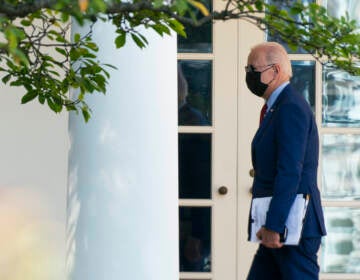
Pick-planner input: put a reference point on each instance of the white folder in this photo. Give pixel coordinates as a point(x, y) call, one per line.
point(294, 223)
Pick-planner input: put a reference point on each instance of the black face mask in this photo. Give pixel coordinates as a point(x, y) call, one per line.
point(254, 84)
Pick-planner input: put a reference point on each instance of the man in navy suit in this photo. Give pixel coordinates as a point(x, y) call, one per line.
point(285, 160)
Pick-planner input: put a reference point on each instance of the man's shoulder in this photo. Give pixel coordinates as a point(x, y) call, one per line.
point(293, 105)
point(291, 96)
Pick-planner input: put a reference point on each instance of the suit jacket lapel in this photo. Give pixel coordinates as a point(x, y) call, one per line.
point(264, 124)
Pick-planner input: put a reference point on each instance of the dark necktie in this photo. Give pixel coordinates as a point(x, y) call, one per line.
point(263, 112)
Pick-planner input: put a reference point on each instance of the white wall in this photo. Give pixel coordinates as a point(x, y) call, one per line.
point(33, 175)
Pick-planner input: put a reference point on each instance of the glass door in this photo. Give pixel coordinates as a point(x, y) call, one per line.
point(207, 99)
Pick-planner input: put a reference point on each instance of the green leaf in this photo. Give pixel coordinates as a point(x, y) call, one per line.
point(25, 22)
point(71, 107)
point(295, 10)
point(120, 40)
point(138, 40)
point(20, 57)
point(6, 78)
point(111, 66)
point(181, 6)
point(11, 38)
point(53, 104)
point(161, 29)
point(98, 5)
point(272, 9)
point(85, 113)
point(65, 17)
point(77, 37)
point(60, 39)
point(29, 96)
point(87, 85)
point(177, 27)
point(143, 38)
point(250, 7)
point(17, 83)
point(259, 5)
point(61, 51)
point(41, 98)
point(75, 54)
point(92, 46)
point(101, 82)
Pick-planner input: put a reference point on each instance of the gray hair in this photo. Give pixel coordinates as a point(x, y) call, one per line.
point(276, 53)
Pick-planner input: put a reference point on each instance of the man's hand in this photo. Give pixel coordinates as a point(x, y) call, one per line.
point(269, 238)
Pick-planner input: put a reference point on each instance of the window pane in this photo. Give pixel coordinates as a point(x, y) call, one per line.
point(341, 166)
point(198, 39)
point(338, 8)
point(285, 5)
point(194, 165)
point(303, 80)
point(194, 92)
point(195, 239)
point(341, 246)
point(341, 98)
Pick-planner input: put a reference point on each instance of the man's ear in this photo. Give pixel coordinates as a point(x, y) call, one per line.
point(276, 69)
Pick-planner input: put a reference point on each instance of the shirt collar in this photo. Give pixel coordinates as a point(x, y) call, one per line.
point(275, 95)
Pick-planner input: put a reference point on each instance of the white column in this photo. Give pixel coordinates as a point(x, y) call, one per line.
point(122, 190)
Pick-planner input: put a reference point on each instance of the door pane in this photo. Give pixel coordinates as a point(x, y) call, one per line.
point(341, 246)
point(303, 80)
point(195, 239)
point(285, 5)
point(341, 98)
point(194, 92)
point(198, 39)
point(194, 165)
point(341, 166)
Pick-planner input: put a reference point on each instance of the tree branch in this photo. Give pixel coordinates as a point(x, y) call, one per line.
point(23, 9)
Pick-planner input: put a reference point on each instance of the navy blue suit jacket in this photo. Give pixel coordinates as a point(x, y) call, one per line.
point(285, 152)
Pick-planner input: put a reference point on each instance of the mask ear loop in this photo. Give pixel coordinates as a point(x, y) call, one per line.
point(275, 71)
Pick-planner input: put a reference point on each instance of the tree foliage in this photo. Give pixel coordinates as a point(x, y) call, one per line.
point(30, 28)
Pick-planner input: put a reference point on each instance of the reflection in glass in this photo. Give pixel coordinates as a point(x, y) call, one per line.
point(341, 98)
point(338, 8)
point(285, 5)
point(194, 165)
point(194, 92)
point(303, 80)
point(341, 246)
point(341, 166)
point(195, 239)
point(198, 39)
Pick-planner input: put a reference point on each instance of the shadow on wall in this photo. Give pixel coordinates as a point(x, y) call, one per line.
point(31, 241)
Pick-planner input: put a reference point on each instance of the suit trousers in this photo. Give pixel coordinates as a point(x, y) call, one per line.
point(287, 263)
